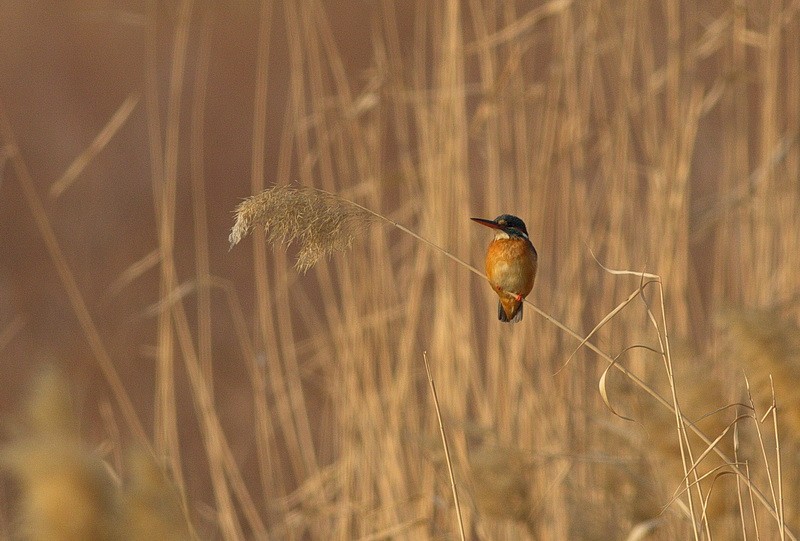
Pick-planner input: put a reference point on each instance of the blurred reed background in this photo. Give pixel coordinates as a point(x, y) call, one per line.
point(656, 136)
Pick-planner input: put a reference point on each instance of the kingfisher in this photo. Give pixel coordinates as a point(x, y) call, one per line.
point(511, 263)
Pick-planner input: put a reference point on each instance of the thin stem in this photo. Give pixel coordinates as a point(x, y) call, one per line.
point(446, 448)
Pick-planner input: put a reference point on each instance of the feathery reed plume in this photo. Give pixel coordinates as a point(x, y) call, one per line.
point(66, 492)
point(323, 223)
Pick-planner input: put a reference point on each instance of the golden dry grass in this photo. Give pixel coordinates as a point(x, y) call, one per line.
point(659, 137)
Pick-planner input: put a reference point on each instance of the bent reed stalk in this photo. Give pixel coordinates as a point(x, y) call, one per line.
point(325, 223)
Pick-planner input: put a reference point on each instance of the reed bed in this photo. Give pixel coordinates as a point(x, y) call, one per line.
point(653, 149)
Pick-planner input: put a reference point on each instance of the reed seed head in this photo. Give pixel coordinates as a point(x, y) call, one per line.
point(321, 222)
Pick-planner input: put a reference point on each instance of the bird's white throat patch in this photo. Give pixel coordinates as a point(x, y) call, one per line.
point(500, 234)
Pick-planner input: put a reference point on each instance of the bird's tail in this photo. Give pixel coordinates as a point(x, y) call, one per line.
point(511, 312)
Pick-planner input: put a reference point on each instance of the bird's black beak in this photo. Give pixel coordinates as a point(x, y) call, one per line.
point(487, 223)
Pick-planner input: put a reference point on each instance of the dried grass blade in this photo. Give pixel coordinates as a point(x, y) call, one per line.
point(84, 158)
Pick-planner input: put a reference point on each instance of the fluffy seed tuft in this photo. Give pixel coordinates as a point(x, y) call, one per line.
point(321, 222)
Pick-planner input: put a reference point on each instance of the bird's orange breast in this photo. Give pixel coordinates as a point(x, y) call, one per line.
point(511, 266)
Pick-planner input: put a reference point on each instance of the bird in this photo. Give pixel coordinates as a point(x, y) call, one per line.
point(511, 264)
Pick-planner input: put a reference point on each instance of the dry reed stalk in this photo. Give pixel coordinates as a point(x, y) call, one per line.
point(165, 196)
point(102, 138)
point(132, 272)
point(766, 346)
point(199, 200)
point(306, 97)
point(265, 432)
point(702, 399)
point(268, 338)
point(445, 447)
point(67, 277)
point(685, 426)
point(265, 208)
point(223, 471)
point(587, 107)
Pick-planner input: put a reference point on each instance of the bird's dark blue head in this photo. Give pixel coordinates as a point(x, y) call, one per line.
point(507, 223)
point(511, 225)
